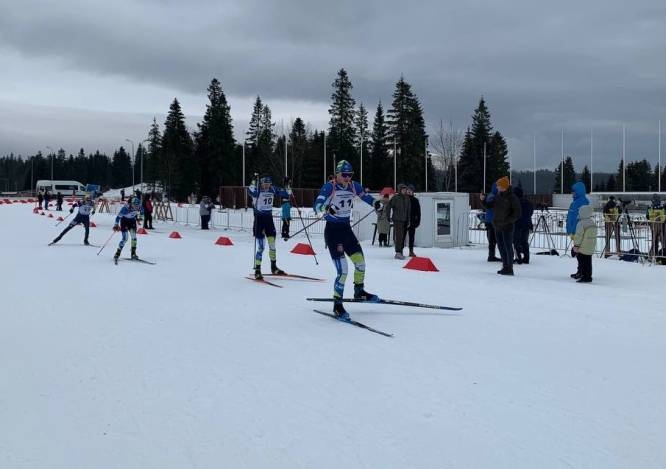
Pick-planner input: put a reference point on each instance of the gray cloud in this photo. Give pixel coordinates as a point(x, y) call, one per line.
point(542, 67)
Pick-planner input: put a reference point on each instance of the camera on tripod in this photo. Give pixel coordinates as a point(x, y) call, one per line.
point(542, 207)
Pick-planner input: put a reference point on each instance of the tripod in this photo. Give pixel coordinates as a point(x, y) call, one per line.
point(628, 224)
point(552, 251)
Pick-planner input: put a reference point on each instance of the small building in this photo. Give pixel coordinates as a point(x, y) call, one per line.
point(444, 220)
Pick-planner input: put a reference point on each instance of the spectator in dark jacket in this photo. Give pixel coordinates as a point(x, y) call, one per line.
point(59, 199)
point(47, 199)
point(487, 201)
point(414, 218)
point(40, 199)
point(507, 213)
point(399, 208)
point(522, 228)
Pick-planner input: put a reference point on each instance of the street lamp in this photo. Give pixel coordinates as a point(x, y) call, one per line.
point(51, 162)
point(132, 142)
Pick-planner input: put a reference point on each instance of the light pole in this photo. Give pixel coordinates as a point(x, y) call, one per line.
point(49, 148)
point(132, 142)
point(142, 155)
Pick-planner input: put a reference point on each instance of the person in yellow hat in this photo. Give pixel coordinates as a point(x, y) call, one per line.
point(507, 211)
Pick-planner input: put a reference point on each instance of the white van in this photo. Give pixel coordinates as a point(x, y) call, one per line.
point(66, 188)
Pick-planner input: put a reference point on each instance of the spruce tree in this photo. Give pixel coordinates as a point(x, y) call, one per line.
point(471, 163)
point(569, 176)
point(380, 161)
point(298, 140)
point(586, 177)
point(361, 131)
point(121, 169)
point(342, 132)
point(611, 185)
point(152, 156)
point(407, 130)
point(215, 144)
point(178, 167)
point(639, 176)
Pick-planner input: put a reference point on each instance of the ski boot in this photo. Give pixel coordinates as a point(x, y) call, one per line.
point(133, 255)
point(361, 294)
point(257, 274)
point(86, 243)
point(275, 270)
point(340, 312)
point(116, 256)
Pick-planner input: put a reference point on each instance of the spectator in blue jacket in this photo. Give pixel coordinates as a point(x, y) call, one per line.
point(286, 218)
point(522, 228)
point(487, 200)
point(579, 199)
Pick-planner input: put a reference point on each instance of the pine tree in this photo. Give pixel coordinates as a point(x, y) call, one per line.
point(178, 168)
point(380, 160)
point(260, 140)
point(313, 162)
point(407, 130)
point(215, 144)
point(341, 132)
point(569, 176)
point(361, 131)
point(621, 185)
point(471, 163)
point(121, 169)
point(586, 177)
point(151, 164)
point(497, 165)
point(298, 139)
point(639, 176)
point(611, 185)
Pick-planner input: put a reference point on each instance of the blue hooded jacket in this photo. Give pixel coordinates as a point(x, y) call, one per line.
point(578, 201)
point(488, 203)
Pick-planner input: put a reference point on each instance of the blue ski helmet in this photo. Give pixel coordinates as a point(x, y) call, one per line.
point(344, 166)
point(135, 201)
point(266, 180)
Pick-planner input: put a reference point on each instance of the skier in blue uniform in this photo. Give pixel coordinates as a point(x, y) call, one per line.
point(335, 200)
point(86, 208)
point(264, 227)
point(126, 221)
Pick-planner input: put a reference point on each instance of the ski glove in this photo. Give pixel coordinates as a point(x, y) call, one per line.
point(71, 210)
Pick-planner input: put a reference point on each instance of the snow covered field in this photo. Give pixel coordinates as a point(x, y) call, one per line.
point(186, 364)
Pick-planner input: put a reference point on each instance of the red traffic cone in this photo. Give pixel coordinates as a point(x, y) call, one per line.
point(175, 235)
point(224, 241)
point(421, 263)
point(304, 249)
point(50, 215)
point(35, 210)
point(92, 224)
point(42, 213)
point(60, 219)
point(141, 231)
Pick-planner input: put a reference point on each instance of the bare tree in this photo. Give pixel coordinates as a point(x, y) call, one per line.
point(447, 145)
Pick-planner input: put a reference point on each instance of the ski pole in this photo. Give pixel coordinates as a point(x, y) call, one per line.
point(62, 220)
point(298, 209)
point(308, 226)
point(363, 218)
point(107, 242)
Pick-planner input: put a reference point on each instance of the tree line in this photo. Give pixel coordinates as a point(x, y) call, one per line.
point(179, 161)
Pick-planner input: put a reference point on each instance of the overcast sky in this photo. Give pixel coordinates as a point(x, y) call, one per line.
point(92, 74)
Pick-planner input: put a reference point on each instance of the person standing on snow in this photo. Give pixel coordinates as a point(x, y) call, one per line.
point(487, 200)
point(579, 200)
point(414, 218)
point(585, 242)
point(126, 222)
point(59, 199)
point(507, 212)
point(206, 208)
point(399, 212)
point(335, 201)
point(286, 218)
point(86, 208)
point(264, 227)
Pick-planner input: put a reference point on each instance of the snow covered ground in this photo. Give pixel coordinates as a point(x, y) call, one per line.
point(186, 364)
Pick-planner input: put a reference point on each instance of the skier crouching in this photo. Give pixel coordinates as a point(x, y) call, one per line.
point(126, 221)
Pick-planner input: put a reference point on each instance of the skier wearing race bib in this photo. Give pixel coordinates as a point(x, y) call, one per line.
point(86, 207)
point(126, 222)
point(264, 227)
point(336, 200)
